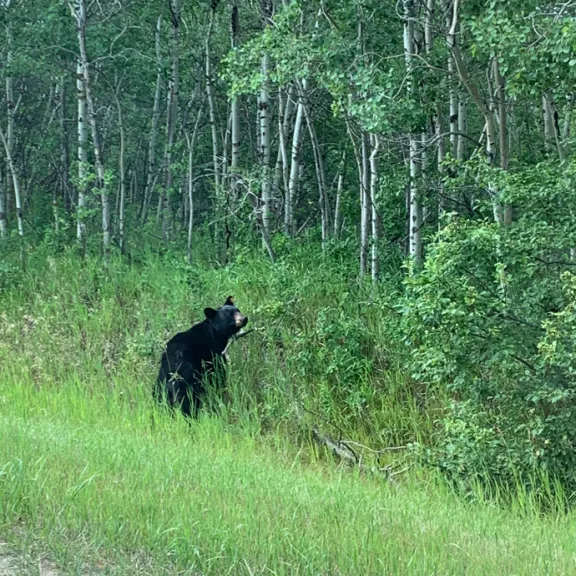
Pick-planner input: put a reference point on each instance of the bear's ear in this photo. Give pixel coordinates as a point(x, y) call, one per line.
point(229, 301)
point(210, 313)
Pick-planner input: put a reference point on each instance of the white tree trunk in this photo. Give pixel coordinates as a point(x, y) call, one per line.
point(171, 113)
point(235, 108)
point(10, 103)
point(3, 223)
point(82, 154)
point(211, 104)
point(264, 113)
point(339, 189)
point(122, 174)
point(462, 128)
point(415, 199)
point(285, 109)
point(364, 204)
point(64, 148)
point(190, 141)
point(375, 142)
point(80, 15)
point(297, 137)
point(151, 162)
point(415, 216)
point(321, 180)
point(15, 182)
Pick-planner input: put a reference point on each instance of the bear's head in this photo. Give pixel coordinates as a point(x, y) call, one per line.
point(227, 320)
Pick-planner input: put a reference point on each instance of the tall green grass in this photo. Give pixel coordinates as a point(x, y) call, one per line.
point(323, 343)
point(95, 473)
point(94, 477)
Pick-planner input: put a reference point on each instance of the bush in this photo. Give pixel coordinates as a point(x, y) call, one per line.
point(492, 318)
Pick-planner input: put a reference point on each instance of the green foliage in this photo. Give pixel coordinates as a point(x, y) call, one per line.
point(488, 319)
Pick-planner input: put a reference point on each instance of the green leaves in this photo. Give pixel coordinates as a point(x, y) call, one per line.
point(492, 318)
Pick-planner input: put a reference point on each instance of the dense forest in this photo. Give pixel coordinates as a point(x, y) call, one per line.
point(386, 187)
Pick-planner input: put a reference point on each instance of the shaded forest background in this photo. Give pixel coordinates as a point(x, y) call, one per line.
point(394, 181)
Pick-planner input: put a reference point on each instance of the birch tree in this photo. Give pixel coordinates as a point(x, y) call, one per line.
point(171, 113)
point(151, 160)
point(80, 15)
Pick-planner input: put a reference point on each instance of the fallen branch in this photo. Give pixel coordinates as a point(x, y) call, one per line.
point(345, 453)
point(237, 337)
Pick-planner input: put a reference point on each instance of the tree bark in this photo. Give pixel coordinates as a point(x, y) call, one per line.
point(321, 180)
point(235, 109)
point(151, 161)
point(65, 188)
point(375, 264)
point(80, 15)
point(191, 140)
point(264, 113)
point(364, 204)
point(297, 138)
point(15, 183)
point(82, 156)
point(211, 103)
point(172, 112)
point(339, 189)
point(122, 173)
point(487, 112)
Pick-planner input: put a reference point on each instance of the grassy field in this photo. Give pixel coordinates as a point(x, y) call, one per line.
point(94, 475)
point(96, 483)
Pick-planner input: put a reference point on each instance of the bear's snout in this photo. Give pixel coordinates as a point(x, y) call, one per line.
point(240, 320)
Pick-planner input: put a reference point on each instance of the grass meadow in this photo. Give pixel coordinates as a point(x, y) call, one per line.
point(97, 477)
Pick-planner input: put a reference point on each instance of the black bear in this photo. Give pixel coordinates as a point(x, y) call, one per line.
point(193, 355)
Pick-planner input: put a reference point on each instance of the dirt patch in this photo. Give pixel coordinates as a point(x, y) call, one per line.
point(12, 565)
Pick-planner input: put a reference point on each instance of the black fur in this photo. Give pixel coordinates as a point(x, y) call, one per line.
point(193, 355)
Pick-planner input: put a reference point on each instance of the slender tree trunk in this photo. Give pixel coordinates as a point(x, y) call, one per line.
point(82, 156)
point(151, 163)
point(321, 180)
point(364, 204)
point(172, 111)
point(3, 223)
point(551, 126)
point(225, 144)
point(415, 215)
point(122, 174)
point(211, 104)
point(487, 112)
point(285, 110)
point(452, 97)
point(235, 109)
point(264, 112)
point(375, 141)
point(190, 141)
point(462, 129)
point(548, 122)
point(65, 193)
point(339, 188)
point(80, 15)
point(503, 129)
point(439, 127)
point(415, 199)
point(15, 183)
point(297, 138)
point(10, 107)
